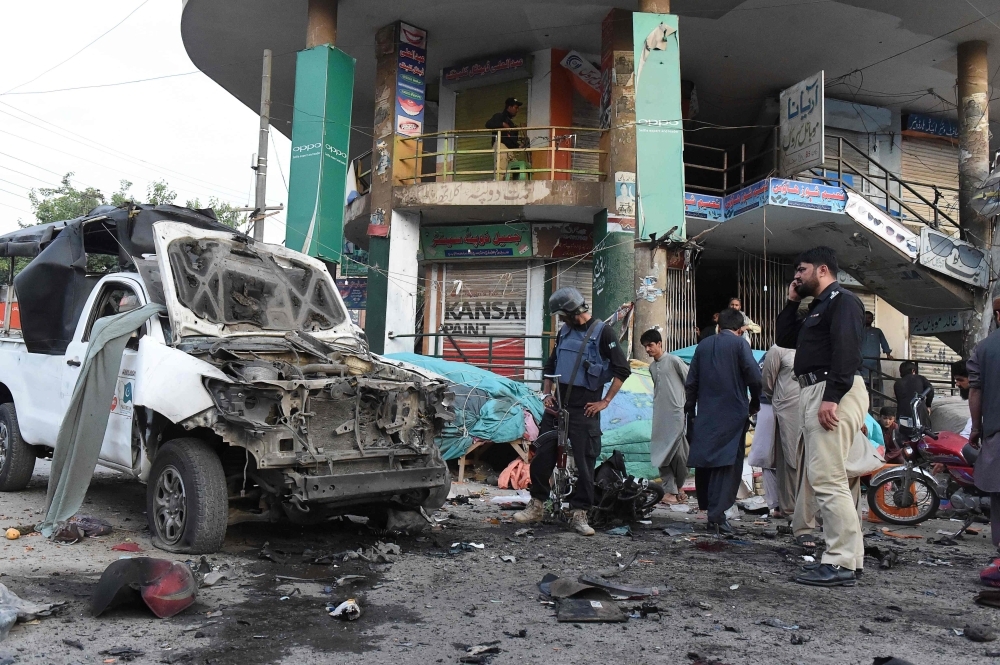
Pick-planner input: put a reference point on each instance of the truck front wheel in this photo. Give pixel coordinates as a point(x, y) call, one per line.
point(186, 499)
point(17, 458)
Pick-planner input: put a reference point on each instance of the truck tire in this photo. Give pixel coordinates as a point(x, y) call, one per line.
point(17, 458)
point(187, 504)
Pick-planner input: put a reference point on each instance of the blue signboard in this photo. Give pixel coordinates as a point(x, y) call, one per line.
point(745, 199)
point(795, 194)
point(354, 291)
point(925, 124)
point(703, 206)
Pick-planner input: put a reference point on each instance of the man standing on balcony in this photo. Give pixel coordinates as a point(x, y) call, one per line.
point(832, 402)
point(509, 141)
point(587, 356)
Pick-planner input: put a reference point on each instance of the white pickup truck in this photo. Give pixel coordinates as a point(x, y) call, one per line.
point(252, 398)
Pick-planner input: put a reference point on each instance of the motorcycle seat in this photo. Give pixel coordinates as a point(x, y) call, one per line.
point(970, 454)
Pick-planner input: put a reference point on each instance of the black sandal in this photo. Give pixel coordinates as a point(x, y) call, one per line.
point(807, 541)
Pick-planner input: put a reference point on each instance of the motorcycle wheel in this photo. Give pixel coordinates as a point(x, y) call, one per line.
point(648, 498)
point(888, 499)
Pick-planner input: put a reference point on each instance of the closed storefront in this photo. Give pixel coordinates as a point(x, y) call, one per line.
point(586, 114)
point(930, 167)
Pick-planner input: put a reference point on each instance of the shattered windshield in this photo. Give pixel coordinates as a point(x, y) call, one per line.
point(247, 288)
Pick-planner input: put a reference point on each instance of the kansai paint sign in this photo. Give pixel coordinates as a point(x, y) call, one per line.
point(659, 131)
point(321, 132)
point(474, 242)
point(411, 80)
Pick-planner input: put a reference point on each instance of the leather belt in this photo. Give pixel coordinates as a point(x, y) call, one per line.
point(812, 378)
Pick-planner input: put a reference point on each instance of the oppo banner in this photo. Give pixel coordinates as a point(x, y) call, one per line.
point(321, 132)
point(659, 130)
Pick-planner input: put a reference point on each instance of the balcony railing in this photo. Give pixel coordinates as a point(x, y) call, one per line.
point(544, 153)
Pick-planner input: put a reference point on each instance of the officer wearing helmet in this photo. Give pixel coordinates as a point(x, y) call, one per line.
point(587, 356)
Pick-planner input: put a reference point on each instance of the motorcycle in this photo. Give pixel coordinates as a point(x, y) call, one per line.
point(910, 493)
point(617, 495)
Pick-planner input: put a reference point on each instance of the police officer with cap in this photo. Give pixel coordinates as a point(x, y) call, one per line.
point(587, 356)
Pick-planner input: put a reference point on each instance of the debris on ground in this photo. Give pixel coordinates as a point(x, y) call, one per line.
point(81, 526)
point(408, 522)
point(910, 536)
point(14, 609)
point(521, 633)
point(216, 576)
point(466, 547)
point(165, 587)
point(523, 532)
point(508, 559)
point(125, 653)
point(979, 633)
point(679, 529)
point(623, 590)
point(13, 534)
point(349, 610)
point(648, 609)
point(799, 638)
point(886, 557)
point(989, 598)
point(755, 505)
point(625, 530)
point(774, 622)
point(275, 555)
point(126, 547)
point(76, 644)
point(517, 500)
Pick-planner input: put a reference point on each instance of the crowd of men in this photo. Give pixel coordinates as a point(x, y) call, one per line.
point(810, 395)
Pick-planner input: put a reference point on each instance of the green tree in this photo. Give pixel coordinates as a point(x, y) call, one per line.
point(225, 212)
point(54, 204)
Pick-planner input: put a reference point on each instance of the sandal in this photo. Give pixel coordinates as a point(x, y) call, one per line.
point(806, 540)
point(669, 500)
point(682, 496)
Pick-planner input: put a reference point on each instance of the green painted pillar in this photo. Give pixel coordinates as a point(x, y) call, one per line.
point(614, 266)
point(378, 292)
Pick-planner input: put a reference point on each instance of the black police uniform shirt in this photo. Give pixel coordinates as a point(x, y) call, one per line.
point(827, 339)
point(509, 139)
point(610, 349)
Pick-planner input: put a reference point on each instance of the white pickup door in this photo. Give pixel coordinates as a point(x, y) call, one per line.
point(112, 294)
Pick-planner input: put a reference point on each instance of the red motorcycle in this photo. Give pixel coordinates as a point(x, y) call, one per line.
point(910, 493)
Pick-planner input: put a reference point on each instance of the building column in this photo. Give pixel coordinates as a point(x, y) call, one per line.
point(654, 6)
point(614, 228)
point(321, 27)
point(974, 159)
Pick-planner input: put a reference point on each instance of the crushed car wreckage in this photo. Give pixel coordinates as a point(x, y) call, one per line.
point(252, 398)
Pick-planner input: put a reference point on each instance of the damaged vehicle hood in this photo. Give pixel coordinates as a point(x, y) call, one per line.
point(217, 284)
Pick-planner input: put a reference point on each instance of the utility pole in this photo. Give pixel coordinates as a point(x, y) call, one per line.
point(260, 191)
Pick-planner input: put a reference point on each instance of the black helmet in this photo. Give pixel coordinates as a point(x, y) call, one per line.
point(567, 301)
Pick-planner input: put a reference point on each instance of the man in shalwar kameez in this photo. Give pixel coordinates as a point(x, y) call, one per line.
point(668, 447)
point(783, 390)
point(723, 372)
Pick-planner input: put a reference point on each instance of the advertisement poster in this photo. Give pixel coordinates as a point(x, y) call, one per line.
point(800, 126)
point(587, 77)
point(321, 132)
point(795, 194)
point(625, 193)
point(703, 206)
point(411, 69)
point(472, 242)
point(354, 291)
point(876, 221)
point(659, 135)
point(562, 241)
point(953, 257)
point(745, 199)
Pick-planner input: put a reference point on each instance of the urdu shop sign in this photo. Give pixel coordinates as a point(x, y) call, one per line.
point(472, 242)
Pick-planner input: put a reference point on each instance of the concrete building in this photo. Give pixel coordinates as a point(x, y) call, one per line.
point(474, 249)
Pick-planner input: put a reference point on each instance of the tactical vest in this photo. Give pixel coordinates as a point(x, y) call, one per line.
point(594, 370)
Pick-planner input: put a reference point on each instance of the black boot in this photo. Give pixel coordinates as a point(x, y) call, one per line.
point(827, 574)
point(858, 572)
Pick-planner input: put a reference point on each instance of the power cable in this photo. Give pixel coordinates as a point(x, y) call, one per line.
point(28, 175)
point(97, 39)
point(114, 152)
point(42, 168)
point(100, 85)
point(281, 170)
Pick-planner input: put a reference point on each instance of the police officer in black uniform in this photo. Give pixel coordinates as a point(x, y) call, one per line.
point(583, 380)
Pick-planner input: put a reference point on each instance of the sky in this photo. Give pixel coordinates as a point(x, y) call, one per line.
point(185, 130)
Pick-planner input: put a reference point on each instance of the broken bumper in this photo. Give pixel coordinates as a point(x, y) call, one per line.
point(356, 486)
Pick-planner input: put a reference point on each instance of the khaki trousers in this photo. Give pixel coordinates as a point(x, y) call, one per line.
point(825, 479)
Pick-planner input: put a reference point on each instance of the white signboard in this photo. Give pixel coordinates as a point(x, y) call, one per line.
point(953, 257)
point(580, 66)
point(940, 322)
point(801, 127)
point(885, 227)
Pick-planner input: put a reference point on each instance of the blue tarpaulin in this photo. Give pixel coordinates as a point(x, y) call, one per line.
point(487, 406)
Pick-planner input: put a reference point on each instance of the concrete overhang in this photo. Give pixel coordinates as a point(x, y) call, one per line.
point(911, 288)
point(737, 53)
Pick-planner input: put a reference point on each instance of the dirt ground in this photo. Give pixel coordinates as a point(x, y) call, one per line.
point(431, 603)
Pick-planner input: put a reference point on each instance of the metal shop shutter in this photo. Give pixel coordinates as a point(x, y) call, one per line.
point(867, 299)
point(586, 114)
point(485, 314)
point(473, 107)
point(928, 162)
point(579, 274)
point(931, 348)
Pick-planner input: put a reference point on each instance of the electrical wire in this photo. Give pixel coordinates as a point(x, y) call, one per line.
point(114, 152)
point(89, 44)
point(100, 85)
point(277, 159)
